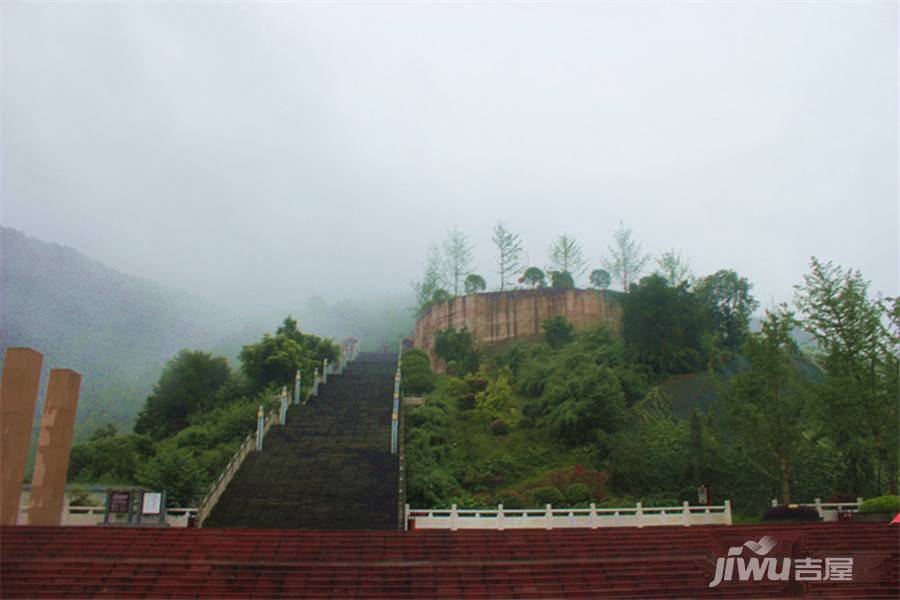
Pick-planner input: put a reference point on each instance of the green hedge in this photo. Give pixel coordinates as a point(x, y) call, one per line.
point(881, 504)
point(417, 376)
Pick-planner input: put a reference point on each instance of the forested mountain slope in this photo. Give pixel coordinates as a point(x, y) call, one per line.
point(116, 330)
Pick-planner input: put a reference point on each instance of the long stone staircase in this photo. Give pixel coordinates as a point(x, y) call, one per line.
point(329, 466)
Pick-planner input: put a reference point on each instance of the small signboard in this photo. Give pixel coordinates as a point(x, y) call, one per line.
point(119, 502)
point(152, 503)
point(702, 495)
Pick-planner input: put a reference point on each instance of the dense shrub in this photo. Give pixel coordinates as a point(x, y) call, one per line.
point(187, 385)
point(509, 499)
point(456, 346)
point(416, 374)
point(578, 493)
point(496, 400)
point(499, 427)
point(477, 383)
point(791, 512)
point(414, 355)
point(583, 399)
point(593, 481)
point(557, 331)
point(548, 495)
point(881, 504)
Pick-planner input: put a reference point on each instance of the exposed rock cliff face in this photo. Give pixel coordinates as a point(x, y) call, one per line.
point(501, 316)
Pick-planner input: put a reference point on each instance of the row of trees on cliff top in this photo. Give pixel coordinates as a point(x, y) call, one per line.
point(449, 273)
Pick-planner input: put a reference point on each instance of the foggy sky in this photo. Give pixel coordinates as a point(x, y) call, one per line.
point(257, 152)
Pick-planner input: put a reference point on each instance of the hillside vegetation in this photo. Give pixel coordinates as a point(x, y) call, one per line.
point(198, 414)
point(688, 395)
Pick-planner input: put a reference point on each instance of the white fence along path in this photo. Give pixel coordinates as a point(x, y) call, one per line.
point(554, 518)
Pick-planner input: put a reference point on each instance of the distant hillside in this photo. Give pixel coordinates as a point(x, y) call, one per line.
point(116, 330)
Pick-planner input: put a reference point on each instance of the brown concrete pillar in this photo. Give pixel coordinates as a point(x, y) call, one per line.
point(18, 396)
point(48, 484)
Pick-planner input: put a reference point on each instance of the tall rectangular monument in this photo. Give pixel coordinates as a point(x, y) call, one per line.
point(51, 465)
point(18, 396)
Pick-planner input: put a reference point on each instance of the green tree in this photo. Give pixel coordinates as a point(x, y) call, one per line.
point(561, 280)
point(534, 277)
point(432, 280)
point(858, 352)
point(675, 269)
point(626, 259)
point(652, 453)
point(275, 359)
point(105, 431)
point(188, 384)
point(767, 405)
point(474, 284)
point(176, 471)
point(109, 458)
point(600, 279)
point(496, 399)
point(566, 257)
point(582, 400)
point(416, 375)
point(458, 257)
point(664, 327)
point(726, 296)
point(441, 295)
point(456, 346)
point(509, 249)
point(557, 331)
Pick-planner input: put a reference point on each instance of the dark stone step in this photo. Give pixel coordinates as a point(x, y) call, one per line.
point(329, 466)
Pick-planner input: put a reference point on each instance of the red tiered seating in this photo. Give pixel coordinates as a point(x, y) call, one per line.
point(573, 563)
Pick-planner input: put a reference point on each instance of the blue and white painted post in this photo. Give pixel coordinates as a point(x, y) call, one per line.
point(282, 416)
point(394, 424)
point(260, 423)
point(297, 387)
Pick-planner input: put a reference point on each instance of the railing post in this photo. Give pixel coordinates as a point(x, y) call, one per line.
point(548, 515)
point(728, 512)
point(282, 416)
point(774, 502)
point(818, 502)
point(260, 417)
point(500, 516)
point(324, 370)
point(315, 390)
point(406, 517)
point(639, 513)
point(297, 387)
point(686, 514)
point(454, 518)
point(593, 522)
point(859, 502)
point(394, 425)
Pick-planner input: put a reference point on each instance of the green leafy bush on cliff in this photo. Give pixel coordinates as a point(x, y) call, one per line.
point(417, 377)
